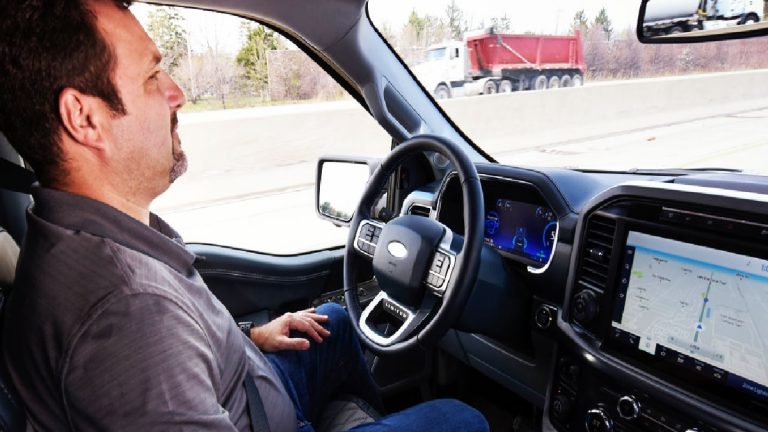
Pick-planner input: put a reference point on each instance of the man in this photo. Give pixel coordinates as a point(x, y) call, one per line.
point(109, 326)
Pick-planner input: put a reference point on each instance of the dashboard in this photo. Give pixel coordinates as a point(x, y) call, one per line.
point(646, 297)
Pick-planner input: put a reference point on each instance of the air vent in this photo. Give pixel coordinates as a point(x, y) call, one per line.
point(420, 210)
point(596, 254)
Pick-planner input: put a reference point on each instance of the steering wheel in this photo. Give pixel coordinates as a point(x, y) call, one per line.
point(426, 272)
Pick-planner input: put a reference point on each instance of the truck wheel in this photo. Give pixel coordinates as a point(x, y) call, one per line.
point(554, 82)
point(675, 30)
point(442, 92)
point(577, 80)
point(489, 87)
point(751, 19)
point(505, 86)
point(540, 83)
point(566, 81)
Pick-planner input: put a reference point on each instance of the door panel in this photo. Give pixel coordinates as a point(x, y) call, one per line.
point(248, 282)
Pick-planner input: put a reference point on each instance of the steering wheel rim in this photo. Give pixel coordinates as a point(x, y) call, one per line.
point(458, 285)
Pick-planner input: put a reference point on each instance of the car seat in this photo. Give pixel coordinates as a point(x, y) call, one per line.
point(12, 416)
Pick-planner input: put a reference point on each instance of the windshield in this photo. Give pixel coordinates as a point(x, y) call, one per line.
point(436, 54)
point(565, 83)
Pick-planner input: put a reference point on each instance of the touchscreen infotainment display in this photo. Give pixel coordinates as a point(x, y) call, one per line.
point(697, 308)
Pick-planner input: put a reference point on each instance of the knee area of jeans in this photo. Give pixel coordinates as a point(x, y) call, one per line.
point(463, 416)
point(337, 316)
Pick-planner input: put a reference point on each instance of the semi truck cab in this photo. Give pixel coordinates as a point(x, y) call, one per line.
point(444, 72)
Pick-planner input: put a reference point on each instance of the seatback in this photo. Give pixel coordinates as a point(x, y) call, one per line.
point(9, 254)
point(12, 417)
point(14, 199)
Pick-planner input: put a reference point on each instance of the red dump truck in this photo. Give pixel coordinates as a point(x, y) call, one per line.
point(489, 62)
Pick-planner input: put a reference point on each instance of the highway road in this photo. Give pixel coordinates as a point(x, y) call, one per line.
point(251, 177)
point(732, 140)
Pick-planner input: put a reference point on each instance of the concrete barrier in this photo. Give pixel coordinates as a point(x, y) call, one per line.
point(507, 123)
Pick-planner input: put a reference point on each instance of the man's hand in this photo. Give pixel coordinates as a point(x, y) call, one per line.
point(274, 336)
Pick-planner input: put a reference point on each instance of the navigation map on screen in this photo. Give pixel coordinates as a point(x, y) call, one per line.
point(699, 307)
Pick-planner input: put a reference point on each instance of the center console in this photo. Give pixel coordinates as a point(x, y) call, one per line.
point(666, 323)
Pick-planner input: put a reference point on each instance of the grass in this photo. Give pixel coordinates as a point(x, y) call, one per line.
point(212, 104)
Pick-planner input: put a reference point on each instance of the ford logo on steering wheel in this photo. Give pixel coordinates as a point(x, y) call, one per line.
point(397, 249)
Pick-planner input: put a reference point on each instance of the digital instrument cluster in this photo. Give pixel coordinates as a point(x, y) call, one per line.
point(521, 228)
point(518, 222)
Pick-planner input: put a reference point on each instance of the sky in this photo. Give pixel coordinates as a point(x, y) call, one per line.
point(537, 16)
point(204, 28)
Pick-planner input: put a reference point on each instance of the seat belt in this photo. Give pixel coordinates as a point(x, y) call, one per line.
point(255, 405)
point(16, 178)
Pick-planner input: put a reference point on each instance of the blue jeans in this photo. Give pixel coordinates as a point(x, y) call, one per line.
point(314, 377)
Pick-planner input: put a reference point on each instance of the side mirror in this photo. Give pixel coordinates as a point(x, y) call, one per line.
point(685, 21)
point(340, 185)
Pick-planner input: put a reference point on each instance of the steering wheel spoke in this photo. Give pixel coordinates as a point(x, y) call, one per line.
point(443, 262)
point(398, 321)
point(367, 237)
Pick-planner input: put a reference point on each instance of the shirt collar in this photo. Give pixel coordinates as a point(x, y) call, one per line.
point(78, 213)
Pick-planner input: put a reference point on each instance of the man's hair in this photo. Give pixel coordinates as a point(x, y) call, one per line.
point(45, 47)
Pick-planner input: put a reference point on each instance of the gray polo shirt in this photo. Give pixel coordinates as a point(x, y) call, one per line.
point(110, 327)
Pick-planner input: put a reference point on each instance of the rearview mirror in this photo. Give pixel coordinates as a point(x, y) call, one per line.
point(340, 185)
point(676, 21)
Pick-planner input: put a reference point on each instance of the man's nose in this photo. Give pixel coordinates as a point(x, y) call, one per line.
point(175, 94)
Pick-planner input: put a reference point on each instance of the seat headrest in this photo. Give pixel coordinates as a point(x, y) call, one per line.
point(9, 255)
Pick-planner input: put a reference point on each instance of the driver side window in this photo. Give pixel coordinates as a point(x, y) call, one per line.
point(259, 114)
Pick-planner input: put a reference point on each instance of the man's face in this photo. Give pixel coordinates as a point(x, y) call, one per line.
point(145, 145)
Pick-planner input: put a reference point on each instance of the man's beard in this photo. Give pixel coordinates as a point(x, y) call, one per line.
point(179, 158)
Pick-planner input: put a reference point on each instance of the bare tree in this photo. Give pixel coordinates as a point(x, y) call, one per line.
point(454, 19)
point(294, 76)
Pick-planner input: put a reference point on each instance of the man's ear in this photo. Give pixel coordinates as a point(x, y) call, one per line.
point(82, 117)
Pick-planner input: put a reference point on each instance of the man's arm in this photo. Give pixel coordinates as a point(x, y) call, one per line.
point(143, 364)
point(275, 335)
